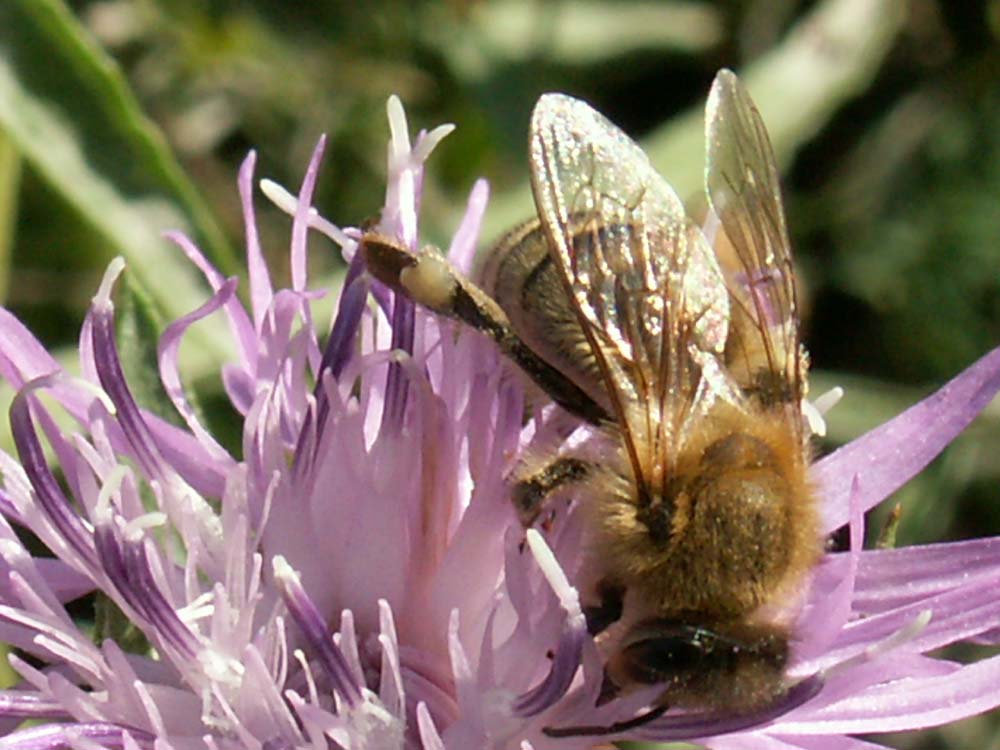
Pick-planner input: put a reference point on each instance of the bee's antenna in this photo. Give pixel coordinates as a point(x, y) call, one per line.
point(617, 727)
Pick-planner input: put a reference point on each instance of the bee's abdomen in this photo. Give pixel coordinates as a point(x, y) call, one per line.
point(735, 539)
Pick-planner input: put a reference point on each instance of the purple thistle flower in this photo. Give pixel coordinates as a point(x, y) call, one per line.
point(358, 578)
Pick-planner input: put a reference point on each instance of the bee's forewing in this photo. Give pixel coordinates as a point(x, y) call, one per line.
point(642, 278)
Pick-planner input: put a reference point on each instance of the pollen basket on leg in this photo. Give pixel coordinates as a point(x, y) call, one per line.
point(430, 282)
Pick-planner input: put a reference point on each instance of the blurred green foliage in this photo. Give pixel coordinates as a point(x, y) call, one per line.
point(121, 118)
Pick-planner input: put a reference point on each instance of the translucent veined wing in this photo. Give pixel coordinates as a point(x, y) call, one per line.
point(642, 279)
point(763, 352)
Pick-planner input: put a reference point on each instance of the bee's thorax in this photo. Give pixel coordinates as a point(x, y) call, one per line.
point(730, 528)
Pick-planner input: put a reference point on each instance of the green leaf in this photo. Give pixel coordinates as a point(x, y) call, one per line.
point(110, 623)
point(570, 32)
point(66, 106)
point(137, 331)
point(10, 181)
point(826, 59)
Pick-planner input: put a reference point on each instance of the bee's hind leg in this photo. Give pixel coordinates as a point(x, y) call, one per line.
point(429, 280)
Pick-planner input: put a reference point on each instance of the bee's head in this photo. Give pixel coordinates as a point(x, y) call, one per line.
point(729, 666)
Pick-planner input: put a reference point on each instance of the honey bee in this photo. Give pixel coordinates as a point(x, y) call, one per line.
point(681, 344)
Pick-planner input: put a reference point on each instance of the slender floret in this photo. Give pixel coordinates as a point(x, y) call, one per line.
point(356, 577)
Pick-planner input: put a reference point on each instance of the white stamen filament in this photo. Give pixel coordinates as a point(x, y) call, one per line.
point(135, 529)
point(553, 572)
point(300, 657)
point(289, 204)
point(112, 483)
point(829, 399)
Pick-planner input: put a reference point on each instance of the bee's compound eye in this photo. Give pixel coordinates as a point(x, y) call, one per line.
point(665, 652)
point(736, 666)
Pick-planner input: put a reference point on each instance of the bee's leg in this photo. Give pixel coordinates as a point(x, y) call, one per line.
point(429, 280)
point(597, 730)
point(530, 493)
point(609, 610)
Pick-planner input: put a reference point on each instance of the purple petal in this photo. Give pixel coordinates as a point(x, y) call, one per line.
point(799, 742)
point(127, 567)
point(905, 704)
point(466, 694)
point(828, 610)
point(955, 615)
point(341, 344)
point(277, 333)
point(391, 691)
point(261, 290)
point(154, 604)
point(399, 215)
point(167, 350)
point(892, 578)
point(429, 737)
point(317, 634)
point(890, 455)
point(989, 637)
point(22, 357)
point(695, 726)
point(64, 736)
point(462, 251)
point(24, 704)
point(239, 387)
point(47, 490)
point(185, 455)
point(755, 740)
point(109, 371)
point(7, 508)
point(559, 677)
point(65, 583)
point(239, 321)
point(396, 385)
point(300, 225)
point(345, 326)
point(883, 668)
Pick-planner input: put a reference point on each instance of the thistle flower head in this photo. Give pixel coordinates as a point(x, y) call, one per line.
point(356, 578)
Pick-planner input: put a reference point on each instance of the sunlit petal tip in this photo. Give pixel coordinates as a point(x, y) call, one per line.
point(399, 140)
point(102, 300)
